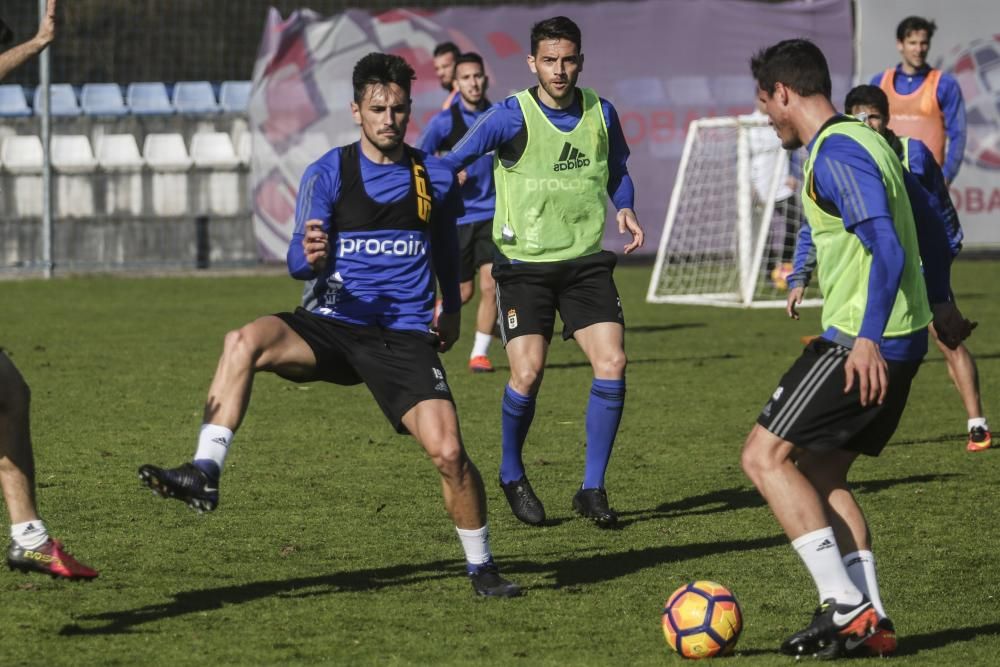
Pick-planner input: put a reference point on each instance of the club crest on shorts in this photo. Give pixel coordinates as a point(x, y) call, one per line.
point(777, 393)
point(512, 319)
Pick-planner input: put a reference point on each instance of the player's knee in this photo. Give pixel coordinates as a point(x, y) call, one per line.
point(611, 365)
point(754, 459)
point(449, 457)
point(240, 344)
point(526, 380)
point(466, 290)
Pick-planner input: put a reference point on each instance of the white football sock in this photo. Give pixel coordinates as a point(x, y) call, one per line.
point(482, 345)
point(476, 544)
point(29, 534)
point(819, 552)
point(213, 444)
point(977, 421)
point(861, 568)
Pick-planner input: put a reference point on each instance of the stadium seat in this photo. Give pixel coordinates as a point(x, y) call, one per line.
point(74, 163)
point(118, 152)
point(234, 96)
point(102, 99)
point(218, 185)
point(72, 154)
point(195, 97)
point(118, 155)
point(166, 152)
point(22, 158)
point(22, 154)
point(169, 161)
point(62, 98)
point(149, 98)
point(244, 148)
point(213, 150)
point(13, 101)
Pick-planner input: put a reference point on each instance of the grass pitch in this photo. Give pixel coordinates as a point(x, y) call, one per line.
point(331, 544)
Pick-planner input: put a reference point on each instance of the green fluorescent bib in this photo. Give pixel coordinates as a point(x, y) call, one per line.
point(843, 264)
point(551, 204)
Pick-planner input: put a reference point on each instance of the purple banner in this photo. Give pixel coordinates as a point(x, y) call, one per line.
point(662, 63)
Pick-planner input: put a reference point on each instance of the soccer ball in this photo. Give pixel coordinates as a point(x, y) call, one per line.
point(702, 619)
point(976, 66)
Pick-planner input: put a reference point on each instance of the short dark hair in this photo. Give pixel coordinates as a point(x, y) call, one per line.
point(446, 47)
point(470, 57)
point(381, 69)
point(867, 96)
point(913, 24)
point(557, 27)
point(797, 63)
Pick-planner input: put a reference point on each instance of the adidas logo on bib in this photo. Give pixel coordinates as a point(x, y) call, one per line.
point(571, 158)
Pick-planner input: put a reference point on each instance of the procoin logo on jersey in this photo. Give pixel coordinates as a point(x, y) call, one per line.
point(411, 247)
point(423, 192)
point(553, 184)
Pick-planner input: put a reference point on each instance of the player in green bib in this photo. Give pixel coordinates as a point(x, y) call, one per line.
point(844, 396)
point(559, 155)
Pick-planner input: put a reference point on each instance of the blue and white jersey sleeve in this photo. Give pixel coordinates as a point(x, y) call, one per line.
point(950, 99)
point(435, 133)
point(318, 190)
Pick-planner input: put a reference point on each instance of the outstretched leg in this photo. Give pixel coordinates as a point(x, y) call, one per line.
point(434, 424)
point(965, 375)
point(31, 548)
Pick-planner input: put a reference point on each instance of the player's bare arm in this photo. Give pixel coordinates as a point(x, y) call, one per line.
point(628, 222)
point(12, 58)
point(865, 361)
point(316, 244)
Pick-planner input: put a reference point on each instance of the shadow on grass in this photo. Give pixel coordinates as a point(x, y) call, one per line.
point(655, 360)
point(564, 573)
point(208, 599)
point(737, 498)
point(932, 440)
point(913, 644)
point(656, 328)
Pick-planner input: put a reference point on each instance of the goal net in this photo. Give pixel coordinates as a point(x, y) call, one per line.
point(729, 236)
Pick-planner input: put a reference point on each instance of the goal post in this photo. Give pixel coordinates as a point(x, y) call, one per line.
point(729, 235)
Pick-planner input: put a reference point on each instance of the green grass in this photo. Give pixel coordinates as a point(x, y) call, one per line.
point(331, 544)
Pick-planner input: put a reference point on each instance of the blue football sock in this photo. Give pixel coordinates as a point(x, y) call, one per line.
point(517, 413)
point(604, 413)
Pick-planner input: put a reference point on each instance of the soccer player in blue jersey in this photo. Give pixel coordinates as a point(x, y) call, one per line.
point(31, 548)
point(931, 202)
point(445, 55)
point(475, 228)
point(926, 103)
point(370, 219)
point(559, 154)
point(844, 396)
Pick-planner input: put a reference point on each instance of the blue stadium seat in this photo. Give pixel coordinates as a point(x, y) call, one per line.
point(62, 97)
point(13, 101)
point(149, 98)
point(195, 97)
point(102, 99)
point(234, 96)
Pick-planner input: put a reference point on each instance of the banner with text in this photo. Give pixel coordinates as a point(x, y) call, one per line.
point(661, 63)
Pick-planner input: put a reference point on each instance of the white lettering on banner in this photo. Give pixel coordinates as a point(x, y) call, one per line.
point(411, 247)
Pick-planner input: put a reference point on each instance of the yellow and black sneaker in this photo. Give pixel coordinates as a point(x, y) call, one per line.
point(51, 559)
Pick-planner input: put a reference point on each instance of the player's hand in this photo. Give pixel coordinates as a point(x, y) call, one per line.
point(866, 361)
point(628, 222)
point(950, 326)
point(316, 245)
point(462, 177)
point(47, 28)
point(449, 326)
point(794, 299)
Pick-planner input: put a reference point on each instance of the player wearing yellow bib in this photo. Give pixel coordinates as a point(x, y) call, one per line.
point(559, 155)
point(844, 396)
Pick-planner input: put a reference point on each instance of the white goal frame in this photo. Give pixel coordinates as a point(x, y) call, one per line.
point(751, 240)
